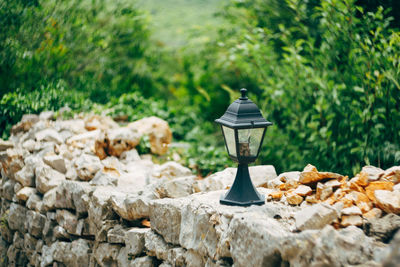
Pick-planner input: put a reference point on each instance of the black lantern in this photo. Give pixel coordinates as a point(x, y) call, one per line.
point(243, 128)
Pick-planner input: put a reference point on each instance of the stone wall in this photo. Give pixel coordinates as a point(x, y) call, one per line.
point(77, 193)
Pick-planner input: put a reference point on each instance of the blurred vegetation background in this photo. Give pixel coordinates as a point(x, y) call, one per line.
point(326, 72)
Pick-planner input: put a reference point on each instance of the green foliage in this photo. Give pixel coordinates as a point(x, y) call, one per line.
point(324, 72)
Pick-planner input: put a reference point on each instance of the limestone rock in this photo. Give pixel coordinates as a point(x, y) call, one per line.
point(353, 210)
point(46, 115)
point(377, 185)
point(116, 141)
point(171, 170)
point(47, 178)
point(311, 175)
point(303, 190)
point(129, 156)
point(392, 174)
point(373, 172)
point(4, 145)
point(158, 131)
point(294, 199)
point(60, 233)
point(87, 166)
point(83, 137)
point(35, 203)
point(165, 217)
point(100, 122)
point(35, 223)
point(156, 246)
point(50, 199)
point(8, 189)
point(69, 222)
point(49, 135)
point(323, 191)
point(56, 162)
point(179, 187)
point(106, 254)
point(100, 208)
point(384, 228)
point(25, 193)
point(393, 258)
point(26, 176)
point(73, 195)
point(348, 220)
point(135, 240)
point(145, 261)
point(315, 217)
point(27, 121)
point(106, 177)
point(116, 235)
point(374, 213)
point(389, 201)
point(17, 217)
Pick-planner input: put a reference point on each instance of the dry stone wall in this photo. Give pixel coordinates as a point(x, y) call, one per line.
point(77, 193)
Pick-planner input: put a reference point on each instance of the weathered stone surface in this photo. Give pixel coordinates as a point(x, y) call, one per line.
point(377, 185)
point(87, 166)
point(323, 191)
point(17, 217)
point(179, 187)
point(158, 131)
point(106, 254)
point(25, 193)
point(374, 213)
point(293, 199)
point(35, 223)
point(389, 201)
point(4, 145)
point(47, 178)
point(156, 246)
point(303, 190)
point(135, 240)
point(46, 115)
point(348, 220)
point(100, 208)
point(69, 222)
point(56, 162)
point(392, 174)
point(8, 189)
point(315, 217)
point(73, 195)
point(393, 258)
point(383, 228)
point(311, 175)
point(115, 141)
point(171, 170)
point(116, 235)
point(60, 233)
point(49, 135)
point(130, 156)
point(353, 210)
point(373, 172)
point(105, 177)
point(165, 217)
point(144, 262)
point(27, 121)
point(26, 176)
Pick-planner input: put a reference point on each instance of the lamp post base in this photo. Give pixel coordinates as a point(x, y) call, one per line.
point(242, 192)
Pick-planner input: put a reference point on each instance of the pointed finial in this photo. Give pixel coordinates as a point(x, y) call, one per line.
point(243, 91)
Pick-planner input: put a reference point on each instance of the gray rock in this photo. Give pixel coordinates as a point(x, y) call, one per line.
point(4, 145)
point(25, 193)
point(47, 178)
point(144, 262)
point(56, 162)
point(87, 166)
point(8, 189)
point(165, 217)
point(106, 254)
point(156, 246)
point(49, 135)
point(116, 235)
point(104, 178)
point(135, 240)
point(35, 223)
point(315, 217)
point(100, 208)
point(46, 115)
point(49, 199)
point(131, 207)
point(35, 203)
point(171, 170)
point(60, 233)
point(69, 222)
point(179, 187)
point(26, 176)
point(129, 156)
point(17, 217)
point(383, 229)
point(393, 258)
point(73, 195)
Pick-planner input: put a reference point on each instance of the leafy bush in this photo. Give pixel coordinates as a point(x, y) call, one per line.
point(326, 73)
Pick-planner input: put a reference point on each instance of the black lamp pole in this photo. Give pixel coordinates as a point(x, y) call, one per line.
point(243, 127)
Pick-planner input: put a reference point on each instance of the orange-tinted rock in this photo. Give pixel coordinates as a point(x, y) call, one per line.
point(291, 184)
point(377, 185)
point(388, 201)
point(276, 195)
point(312, 199)
point(303, 190)
point(323, 191)
point(374, 213)
point(348, 220)
point(356, 187)
point(310, 168)
point(294, 199)
point(393, 174)
point(361, 201)
point(313, 177)
point(362, 179)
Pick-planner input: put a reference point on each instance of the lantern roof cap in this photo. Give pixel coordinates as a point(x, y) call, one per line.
point(243, 113)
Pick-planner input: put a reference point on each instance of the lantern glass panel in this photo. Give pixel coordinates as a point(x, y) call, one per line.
point(229, 134)
point(249, 141)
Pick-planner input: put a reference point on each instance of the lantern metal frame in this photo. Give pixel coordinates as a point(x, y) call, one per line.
point(242, 114)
